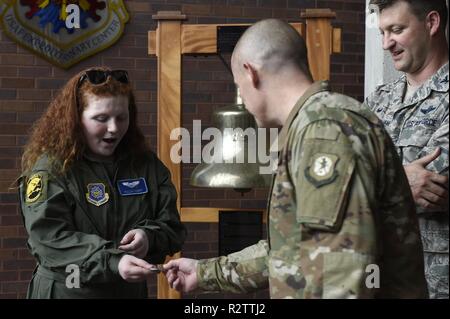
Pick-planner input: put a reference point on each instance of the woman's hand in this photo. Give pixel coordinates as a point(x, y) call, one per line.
point(135, 243)
point(133, 269)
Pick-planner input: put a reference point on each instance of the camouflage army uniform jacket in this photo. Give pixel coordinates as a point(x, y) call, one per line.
point(78, 219)
point(418, 126)
point(342, 222)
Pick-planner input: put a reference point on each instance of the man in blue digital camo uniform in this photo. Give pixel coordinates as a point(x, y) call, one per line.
point(414, 111)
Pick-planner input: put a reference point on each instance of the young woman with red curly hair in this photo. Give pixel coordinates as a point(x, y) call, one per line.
point(98, 205)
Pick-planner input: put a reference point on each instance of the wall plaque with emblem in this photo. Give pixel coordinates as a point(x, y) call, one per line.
point(40, 26)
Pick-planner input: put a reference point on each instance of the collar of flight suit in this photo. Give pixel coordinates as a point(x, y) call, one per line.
point(316, 87)
point(118, 156)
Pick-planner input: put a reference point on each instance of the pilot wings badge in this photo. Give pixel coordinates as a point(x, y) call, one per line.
point(129, 187)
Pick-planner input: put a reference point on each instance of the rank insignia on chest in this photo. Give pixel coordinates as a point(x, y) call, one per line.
point(36, 188)
point(97, 194)
point(321, 170)
point(129, 187)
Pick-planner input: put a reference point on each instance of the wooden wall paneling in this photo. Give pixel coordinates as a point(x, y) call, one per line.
point(210, 214)
point(202, 38)
point(336, 43)
point(168, 45)
point(318, 41)
point(170, 41)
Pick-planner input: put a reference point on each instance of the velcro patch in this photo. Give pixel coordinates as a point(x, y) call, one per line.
point(97, 194)
point(129, 187)
point(36, 190)
point(321, 170)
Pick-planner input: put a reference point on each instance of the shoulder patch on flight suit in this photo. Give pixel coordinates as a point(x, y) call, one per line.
point(321, 170)
point(36, 190)
point(97, 194)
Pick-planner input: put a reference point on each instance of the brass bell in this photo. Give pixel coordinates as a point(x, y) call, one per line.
point(239, 167)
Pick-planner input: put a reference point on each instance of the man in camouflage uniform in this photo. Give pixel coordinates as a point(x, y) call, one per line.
point(414, 110)
point(342, 222)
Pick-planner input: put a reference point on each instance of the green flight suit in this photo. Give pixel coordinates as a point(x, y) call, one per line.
point(76, 220)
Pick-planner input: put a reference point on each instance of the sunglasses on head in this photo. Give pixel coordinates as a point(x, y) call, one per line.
point(101, 76)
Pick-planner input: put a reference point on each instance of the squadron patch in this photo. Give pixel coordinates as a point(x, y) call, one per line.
point(97, 194)
point(36, 188)
point(321, 170)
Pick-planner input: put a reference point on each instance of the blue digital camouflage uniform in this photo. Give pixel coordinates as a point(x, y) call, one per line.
point(79, 218)
point(340, 209)
point(417, 127)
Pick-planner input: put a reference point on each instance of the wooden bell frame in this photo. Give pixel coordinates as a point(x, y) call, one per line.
point(170, 41)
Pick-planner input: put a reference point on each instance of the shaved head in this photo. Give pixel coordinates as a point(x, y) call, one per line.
point(272, 45)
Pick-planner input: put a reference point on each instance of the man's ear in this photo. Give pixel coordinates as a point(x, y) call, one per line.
point(433, 21)
point(251, 72)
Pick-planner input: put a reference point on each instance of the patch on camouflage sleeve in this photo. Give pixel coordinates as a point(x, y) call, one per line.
point(36, 190)
point(321, 170)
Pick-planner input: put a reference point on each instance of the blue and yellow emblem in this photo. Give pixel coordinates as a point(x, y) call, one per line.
point(40, 26)
point(97, 194)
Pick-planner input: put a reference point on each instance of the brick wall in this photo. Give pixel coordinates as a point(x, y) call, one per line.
point(27, 83)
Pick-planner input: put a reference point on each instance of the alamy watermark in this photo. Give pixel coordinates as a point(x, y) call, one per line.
point(232, 145)
point(73, 278)
point(373, 277)
point(73, 17)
